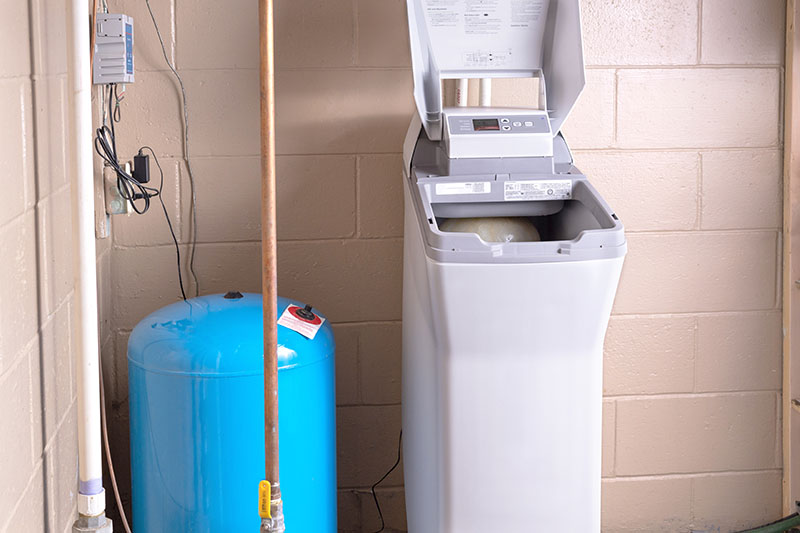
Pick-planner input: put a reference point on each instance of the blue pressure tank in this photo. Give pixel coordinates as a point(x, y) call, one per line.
point(197, 419)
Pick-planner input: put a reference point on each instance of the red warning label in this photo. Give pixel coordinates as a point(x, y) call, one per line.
point(293, 319)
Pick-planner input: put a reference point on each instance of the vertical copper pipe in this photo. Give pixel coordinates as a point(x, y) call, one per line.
point(93, 37)
point(268, 247)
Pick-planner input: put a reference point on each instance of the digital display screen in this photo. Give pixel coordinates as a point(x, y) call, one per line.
point(486, 124)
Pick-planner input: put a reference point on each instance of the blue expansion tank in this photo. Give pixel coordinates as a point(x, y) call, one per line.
point(195, 371)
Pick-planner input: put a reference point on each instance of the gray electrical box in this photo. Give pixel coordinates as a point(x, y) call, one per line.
point(113, 49)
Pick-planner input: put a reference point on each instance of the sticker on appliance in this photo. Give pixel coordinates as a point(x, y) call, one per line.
point(303, 321)
point(470, 187)
point(537, 190)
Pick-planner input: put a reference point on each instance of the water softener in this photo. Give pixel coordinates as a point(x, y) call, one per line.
point(503, 325)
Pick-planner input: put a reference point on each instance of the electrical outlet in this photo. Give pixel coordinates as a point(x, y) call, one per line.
point(115, 203)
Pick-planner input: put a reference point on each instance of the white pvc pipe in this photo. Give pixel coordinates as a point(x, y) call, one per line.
point(486, 92)
point(91, 499)
point(462, 92)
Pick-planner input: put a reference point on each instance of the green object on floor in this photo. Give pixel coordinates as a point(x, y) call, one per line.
point(777, 527)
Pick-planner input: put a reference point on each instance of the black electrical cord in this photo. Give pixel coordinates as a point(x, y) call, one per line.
point(375, 496)
point(130, 189)
point(166, 215)
point(105, 144)
point(186, 158)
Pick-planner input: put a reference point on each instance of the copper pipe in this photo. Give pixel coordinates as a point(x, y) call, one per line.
point(93, 37)
point(269, 283)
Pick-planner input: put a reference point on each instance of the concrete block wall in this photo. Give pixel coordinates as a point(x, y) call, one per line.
point(691, 158)
point(39, 459)
point(679, 128)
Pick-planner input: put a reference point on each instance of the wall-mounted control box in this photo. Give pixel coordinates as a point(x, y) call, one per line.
point(113, 49)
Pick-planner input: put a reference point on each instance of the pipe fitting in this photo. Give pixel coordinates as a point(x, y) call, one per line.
point(92, 504)
point(276, 507)
point(93, 524)
point(275, 522)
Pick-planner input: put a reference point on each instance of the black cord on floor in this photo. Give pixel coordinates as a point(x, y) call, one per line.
point(166, 215)
point(375, 496)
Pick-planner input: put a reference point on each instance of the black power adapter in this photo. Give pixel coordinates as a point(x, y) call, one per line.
point(141, 167)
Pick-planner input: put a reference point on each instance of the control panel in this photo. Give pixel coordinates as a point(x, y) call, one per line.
point(482, 132)
point(499, 124)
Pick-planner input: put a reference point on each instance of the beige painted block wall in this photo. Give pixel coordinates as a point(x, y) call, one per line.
point(679, 128)
point(38, 463)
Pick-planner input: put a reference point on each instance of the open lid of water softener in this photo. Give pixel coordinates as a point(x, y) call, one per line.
point(496, 39)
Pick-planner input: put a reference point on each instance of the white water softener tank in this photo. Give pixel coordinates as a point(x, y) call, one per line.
point(502, 340)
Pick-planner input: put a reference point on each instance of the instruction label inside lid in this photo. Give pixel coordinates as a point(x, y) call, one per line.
point(307, 327)
point(467, 187)
point(486, 34)
point(537, 190)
